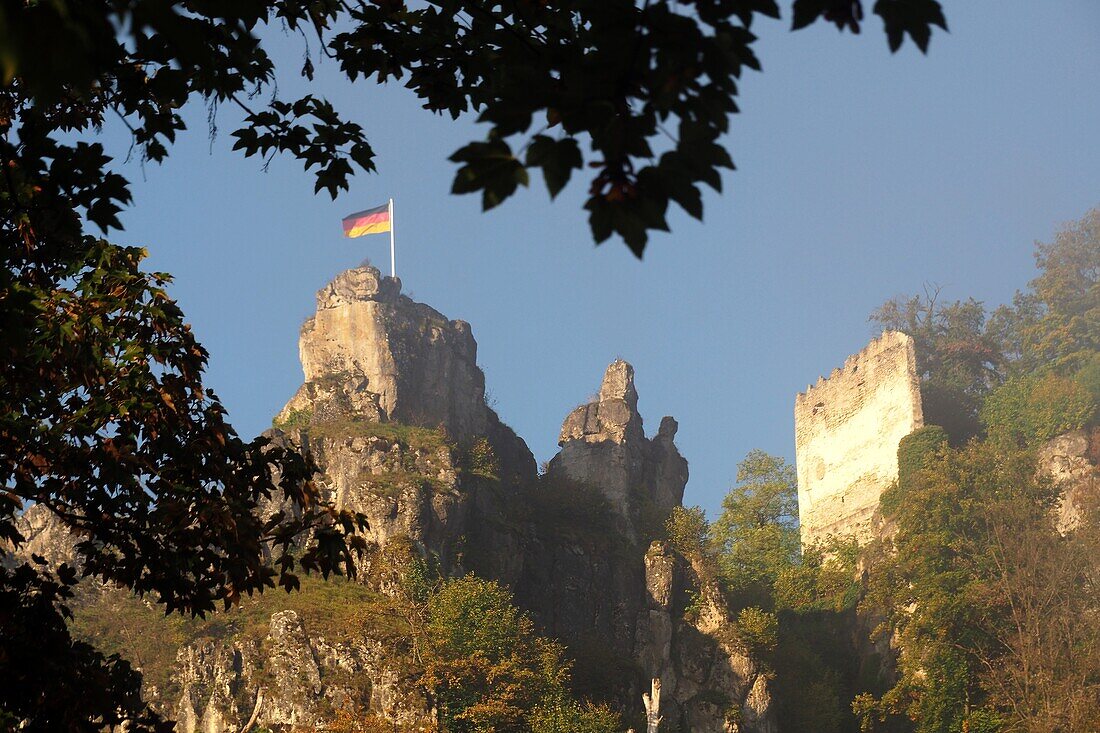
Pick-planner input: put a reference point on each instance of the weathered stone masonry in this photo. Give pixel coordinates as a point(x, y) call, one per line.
point(847, 430)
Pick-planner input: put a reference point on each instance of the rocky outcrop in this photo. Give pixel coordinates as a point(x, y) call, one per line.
point(710, 682)
point(1068, 460)
point(372, 354)
point(393, 412)
point(405, 481)
point(603, 444)
point(290, 678)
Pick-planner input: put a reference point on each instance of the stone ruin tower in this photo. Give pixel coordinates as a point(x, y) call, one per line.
point(847, 430)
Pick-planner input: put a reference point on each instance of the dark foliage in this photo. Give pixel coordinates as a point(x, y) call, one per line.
point(648, 87)
point(104, 418)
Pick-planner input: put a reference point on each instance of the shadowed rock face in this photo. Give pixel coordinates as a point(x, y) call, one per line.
point(603, 444)
point(698, 661)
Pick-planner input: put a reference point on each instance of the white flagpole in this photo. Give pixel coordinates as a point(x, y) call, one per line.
point(393, 259)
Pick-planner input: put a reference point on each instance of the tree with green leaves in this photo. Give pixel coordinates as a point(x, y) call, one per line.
point(1058, 319)
point(991, 607)
point(1045, 344)
point(1033, 408)
point(105, 423)
point(792, 599)
point(487, 670)
point(756, 535)
point(959, 356)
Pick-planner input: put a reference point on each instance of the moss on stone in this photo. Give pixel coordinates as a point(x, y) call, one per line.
point(295, 420)
point(409, 436)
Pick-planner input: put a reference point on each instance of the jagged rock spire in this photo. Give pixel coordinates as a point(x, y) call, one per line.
point(603, 444)
point(613, 416)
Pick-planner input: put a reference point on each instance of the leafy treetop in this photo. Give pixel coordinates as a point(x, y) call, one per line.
point(1029, 367)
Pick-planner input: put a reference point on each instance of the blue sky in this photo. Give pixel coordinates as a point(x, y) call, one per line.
point(861, 175)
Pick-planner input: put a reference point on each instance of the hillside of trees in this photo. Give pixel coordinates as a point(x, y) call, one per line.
point(973, 611)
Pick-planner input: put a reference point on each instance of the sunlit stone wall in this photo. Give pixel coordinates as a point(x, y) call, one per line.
point(847, 430)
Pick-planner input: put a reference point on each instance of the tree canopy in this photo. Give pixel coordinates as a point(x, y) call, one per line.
point(990, 599)
point(648, 88)
point(1002, 369)
point(756, 535)
point(991, 606)
point(487, 669)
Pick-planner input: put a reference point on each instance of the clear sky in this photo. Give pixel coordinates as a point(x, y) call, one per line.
point(861, 175)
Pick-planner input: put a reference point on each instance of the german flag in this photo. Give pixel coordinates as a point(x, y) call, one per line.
point(371, 221)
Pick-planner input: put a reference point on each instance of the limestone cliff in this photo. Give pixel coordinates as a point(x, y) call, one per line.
point(372, 354)
point(392, 409)
point(708, 680)
point(288, 678)
point(1070, 461)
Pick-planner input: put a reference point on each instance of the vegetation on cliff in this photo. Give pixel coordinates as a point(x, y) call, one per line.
point(991, 602)
point(792, 604)
point(473, 656)
point(992, 607)
point(105, 418)
point(487, 669)
point(974, 610)
point(116, 622)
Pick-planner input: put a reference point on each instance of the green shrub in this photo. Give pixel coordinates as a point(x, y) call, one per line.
point(693, 606)
point(480, 460)
point(984, 720)
point(687, 530)
point(1089, 379)
point(1037, 407)
point(823, 580)
point(118, 622)
point(759, 629)
point(814, 662)
point(564, 715)
point(488, 670)
point(756, 535)
point(915, 450)
point(410, 436)
point(295, 419)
